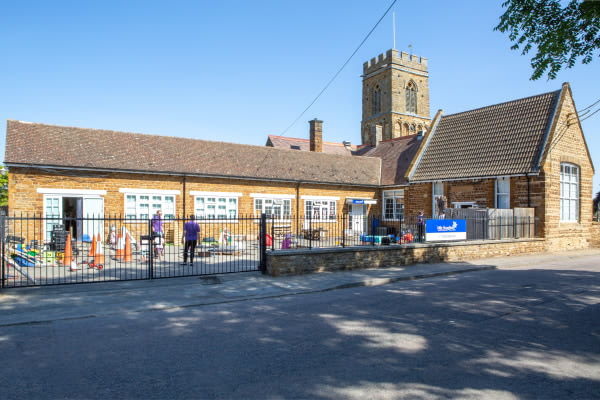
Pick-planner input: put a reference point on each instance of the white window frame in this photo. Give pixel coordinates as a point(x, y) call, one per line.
point(569, 192)
point(155, 199)
point(326, 210)
point(264, 199)
point(437, 190)
point(229, 200)
point(501, 193)
point(393, 195)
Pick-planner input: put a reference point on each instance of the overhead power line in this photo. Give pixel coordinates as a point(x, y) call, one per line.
point(591, 105)
point(340, 70)
point(583, 119)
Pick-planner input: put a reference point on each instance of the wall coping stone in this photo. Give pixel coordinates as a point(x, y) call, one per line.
point(317, 250)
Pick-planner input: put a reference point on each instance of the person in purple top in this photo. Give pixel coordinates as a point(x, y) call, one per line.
point(157, 232)
point(191, 229)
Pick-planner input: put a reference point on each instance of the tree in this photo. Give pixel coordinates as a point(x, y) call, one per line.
point(562, 36)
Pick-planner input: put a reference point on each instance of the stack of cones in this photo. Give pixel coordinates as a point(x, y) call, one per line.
point(123, 251)
point(119, 249)
point(93, 248)
point(127, 252)
point(68, 260)
point(98, 253)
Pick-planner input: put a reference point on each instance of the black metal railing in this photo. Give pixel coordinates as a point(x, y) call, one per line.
point(40, 250)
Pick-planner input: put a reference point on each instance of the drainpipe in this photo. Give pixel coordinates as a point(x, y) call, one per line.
point(184, 197)
point(528, 193)
point(297, 207)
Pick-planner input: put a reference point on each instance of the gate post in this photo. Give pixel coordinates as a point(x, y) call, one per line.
point(343, 231)
point(2, 226)
point(150, 251)
point(263, 243)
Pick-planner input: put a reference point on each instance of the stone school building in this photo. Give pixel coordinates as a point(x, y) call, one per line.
point(528, 152)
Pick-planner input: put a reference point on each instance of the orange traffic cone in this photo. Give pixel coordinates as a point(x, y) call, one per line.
point(68, 260)
point(127, 252)
point(93, 248)
point(99, 238)
point(119, 249)
point(99, 255)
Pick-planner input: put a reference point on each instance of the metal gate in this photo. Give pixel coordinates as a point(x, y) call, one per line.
point(39, 251)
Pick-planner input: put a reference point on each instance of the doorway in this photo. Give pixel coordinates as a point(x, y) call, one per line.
point(72, 208)
point(80, 215)
point(356, 217)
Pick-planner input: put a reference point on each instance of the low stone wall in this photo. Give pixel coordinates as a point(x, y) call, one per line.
point(294, 262)
point(595, 232)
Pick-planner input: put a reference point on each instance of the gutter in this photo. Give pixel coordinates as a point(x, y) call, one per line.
point(37, 166)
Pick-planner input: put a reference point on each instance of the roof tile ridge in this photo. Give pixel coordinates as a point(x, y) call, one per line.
point(554, 92)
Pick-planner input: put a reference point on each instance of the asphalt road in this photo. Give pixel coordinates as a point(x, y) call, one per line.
point(522, 332)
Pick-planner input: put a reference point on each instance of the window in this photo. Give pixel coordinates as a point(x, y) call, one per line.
point(376, 100)
point(393, 205)
point(569, 192)
point(503, 192)
point(438, 191)
point(278, 208)
point(411, 98)
point(144, 206)
point(216, 206)
point(320, 210)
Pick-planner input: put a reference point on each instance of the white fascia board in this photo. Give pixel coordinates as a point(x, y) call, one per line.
point(149, 191)
point(215, 194)
point(82, 192)
point(272, 196)
point(309, 197)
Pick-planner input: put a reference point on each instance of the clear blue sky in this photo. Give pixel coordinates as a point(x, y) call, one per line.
point(238, 71)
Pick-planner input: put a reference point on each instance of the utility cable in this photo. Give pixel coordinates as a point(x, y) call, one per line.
point(339, 71)
point(592, 105)
point(583, 119)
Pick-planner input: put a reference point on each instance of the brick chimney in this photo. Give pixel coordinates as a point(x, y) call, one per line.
point(316, 135)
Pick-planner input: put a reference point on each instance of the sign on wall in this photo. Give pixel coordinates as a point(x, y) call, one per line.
point(445, 229)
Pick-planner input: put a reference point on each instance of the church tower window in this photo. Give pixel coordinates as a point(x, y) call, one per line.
point(411, 97)
point(376, 100)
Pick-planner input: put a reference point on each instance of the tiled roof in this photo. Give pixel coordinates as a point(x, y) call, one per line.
point(282, 142)
point(396, 156)
point(502, 139)
point(58, 146)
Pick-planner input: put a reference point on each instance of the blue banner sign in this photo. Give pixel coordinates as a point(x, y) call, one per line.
point(358, 202)
point(445, 229)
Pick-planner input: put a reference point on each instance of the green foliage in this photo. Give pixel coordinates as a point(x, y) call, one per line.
point(4, 187)
point(562, 36)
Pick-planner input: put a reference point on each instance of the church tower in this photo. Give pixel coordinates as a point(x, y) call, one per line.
point(395, 97)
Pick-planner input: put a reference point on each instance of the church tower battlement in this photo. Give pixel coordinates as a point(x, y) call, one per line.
point(395, 96)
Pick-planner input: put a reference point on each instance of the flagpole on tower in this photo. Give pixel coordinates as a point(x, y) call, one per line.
point(394, 27)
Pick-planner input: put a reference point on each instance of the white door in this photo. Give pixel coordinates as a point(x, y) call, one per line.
point(93, 212)
point(52, 214)
point(357, 218)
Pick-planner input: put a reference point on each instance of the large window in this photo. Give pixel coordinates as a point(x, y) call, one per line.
point(393, 204)
point(144, 206)
point(274, 207)
point(503, 192)
point(569, 192)
point(216, 205)
point(320, 209)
